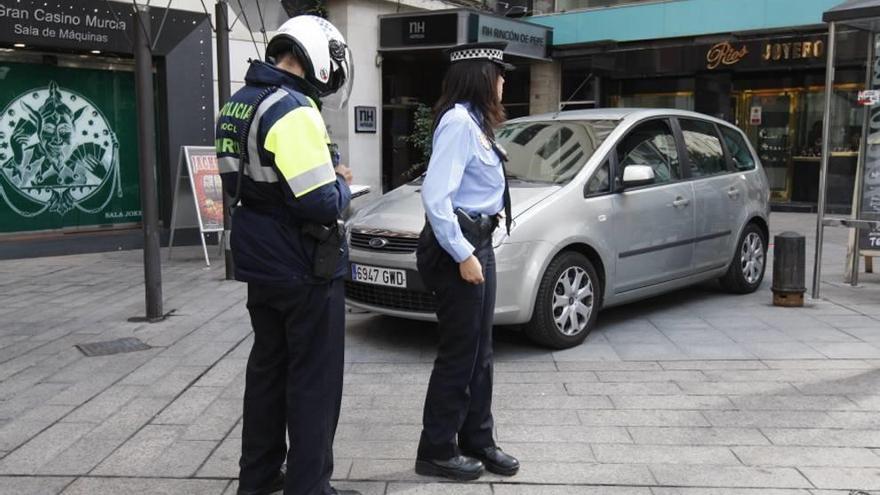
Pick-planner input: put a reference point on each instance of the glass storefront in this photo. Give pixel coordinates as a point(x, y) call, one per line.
point(785, 127)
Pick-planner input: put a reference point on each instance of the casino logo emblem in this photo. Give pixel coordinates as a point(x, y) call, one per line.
point(57, 153)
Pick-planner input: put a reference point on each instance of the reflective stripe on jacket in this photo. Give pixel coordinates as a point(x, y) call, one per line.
point(289, 178)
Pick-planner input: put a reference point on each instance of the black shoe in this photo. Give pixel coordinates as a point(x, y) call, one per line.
point(275, 486)
point(459, 468)
point(496, 460)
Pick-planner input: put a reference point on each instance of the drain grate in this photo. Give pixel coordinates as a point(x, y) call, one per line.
point(108, 347)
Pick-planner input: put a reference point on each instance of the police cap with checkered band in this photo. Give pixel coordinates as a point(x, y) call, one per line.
point(486, 51)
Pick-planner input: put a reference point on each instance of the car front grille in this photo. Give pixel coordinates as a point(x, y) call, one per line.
point(390, 297)
point(384, 240)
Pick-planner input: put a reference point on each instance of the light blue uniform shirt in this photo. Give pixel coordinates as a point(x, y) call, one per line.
point(464, 172)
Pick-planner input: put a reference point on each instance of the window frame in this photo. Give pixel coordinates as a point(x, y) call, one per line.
point(731, 165)
point(727, 160)
point(611, 180)
point(617, 177)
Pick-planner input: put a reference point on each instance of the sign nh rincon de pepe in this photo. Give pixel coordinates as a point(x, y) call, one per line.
point(59, 22)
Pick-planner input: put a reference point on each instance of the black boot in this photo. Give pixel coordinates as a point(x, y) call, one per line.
point(459, 468)
point(495, 460)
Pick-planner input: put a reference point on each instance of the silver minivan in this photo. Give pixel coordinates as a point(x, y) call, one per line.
point(609, 205)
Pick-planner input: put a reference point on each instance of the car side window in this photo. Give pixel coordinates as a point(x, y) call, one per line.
point(600, 182)
point(651, 143)
point(738, 150)
point(705, 154)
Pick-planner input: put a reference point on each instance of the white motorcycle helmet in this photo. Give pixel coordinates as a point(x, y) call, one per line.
point(321, 49)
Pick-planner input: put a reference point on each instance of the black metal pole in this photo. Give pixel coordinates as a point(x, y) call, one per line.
point(223, 92)
point(143, 61)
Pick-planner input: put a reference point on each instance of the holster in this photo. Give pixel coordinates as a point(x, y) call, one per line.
point(329, 248)
point(477, 229)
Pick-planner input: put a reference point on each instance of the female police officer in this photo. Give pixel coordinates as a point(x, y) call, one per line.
point(463, 193)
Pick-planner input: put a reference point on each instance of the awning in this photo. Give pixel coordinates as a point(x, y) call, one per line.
point(862, 14)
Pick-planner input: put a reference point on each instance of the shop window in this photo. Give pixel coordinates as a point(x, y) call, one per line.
point(705, 154)
point(846, 127)
point(738, 150)
point(651, 143)
point(600, 182)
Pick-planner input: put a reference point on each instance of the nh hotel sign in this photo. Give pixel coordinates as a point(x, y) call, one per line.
point(446, 28)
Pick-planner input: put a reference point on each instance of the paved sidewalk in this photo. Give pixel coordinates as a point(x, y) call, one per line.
point(695, 392)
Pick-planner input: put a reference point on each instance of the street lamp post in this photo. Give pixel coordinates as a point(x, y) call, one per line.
point(143, 59)
point(223, 93)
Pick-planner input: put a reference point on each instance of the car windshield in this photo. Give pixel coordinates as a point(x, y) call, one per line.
point(551, 151)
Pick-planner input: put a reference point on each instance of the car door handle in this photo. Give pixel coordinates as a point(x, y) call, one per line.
point(681, 202)
point(733, 193)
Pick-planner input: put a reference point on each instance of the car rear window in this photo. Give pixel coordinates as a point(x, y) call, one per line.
point(551, 151)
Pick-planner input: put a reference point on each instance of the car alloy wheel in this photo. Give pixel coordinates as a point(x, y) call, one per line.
point(567, 303)
point(572, 301)
point(746, 269)
point(752, 258)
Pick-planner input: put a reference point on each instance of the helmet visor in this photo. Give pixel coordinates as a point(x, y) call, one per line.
point(344, 71)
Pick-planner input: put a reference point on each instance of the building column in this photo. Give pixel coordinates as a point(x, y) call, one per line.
point(546, 87)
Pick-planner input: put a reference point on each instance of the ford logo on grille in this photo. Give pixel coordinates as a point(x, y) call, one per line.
point(378, 242)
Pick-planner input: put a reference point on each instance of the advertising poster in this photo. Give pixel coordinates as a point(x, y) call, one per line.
point(207, 187)
point(870, 194)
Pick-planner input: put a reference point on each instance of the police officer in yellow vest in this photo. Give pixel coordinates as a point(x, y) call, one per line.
point(273, 152)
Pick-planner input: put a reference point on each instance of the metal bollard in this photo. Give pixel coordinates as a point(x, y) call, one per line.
point(789, 257)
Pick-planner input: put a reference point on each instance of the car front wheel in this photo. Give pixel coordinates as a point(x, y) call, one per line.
point(567, 303)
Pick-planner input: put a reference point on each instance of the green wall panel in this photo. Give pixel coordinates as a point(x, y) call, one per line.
point(68, 148)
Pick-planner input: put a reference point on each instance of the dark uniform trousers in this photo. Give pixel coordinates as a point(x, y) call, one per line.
point(459, 398)
point(293, 383)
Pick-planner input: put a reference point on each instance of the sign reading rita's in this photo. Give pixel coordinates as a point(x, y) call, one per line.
point(78, 25)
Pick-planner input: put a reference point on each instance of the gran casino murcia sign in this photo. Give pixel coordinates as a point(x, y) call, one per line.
point(764, 53)
point(77, 25)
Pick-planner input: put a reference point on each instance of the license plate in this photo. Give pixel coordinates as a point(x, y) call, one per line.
point(378, 276)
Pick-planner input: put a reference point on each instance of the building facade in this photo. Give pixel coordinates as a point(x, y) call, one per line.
point(68, 142)
point(68, 146)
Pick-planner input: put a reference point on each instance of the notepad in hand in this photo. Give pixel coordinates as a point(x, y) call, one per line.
point(358, 190)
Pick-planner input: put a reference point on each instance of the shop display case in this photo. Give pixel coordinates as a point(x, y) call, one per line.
point(785, 126)
point(845, 132)
point(768, 119)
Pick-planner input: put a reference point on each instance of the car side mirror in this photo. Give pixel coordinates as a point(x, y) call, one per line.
point(637, 176)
